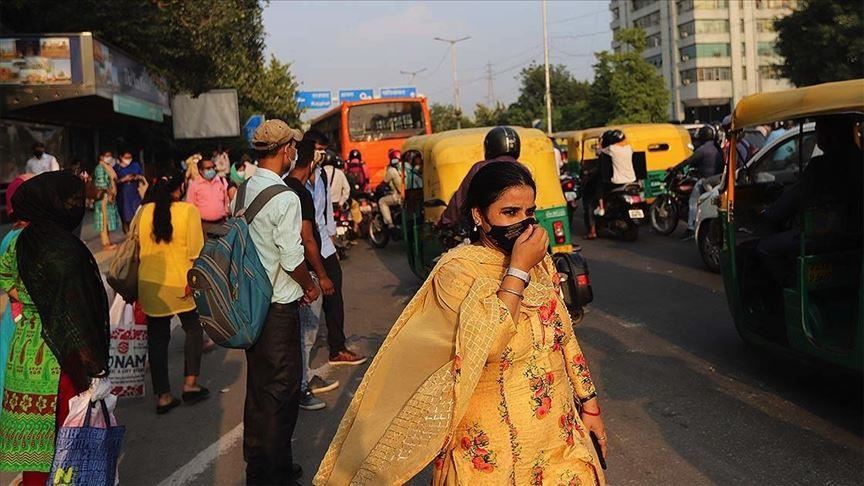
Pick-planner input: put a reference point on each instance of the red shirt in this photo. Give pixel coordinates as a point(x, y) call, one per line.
point(210, 197)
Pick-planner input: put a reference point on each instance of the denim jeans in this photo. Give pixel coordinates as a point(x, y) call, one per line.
point(310, 319)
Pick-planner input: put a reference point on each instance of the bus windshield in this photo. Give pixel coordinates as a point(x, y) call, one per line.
point(383, 121)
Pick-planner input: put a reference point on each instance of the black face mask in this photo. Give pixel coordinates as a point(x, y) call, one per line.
point(505, 237)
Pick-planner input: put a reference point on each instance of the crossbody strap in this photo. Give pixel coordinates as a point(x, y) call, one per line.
point(260, 201)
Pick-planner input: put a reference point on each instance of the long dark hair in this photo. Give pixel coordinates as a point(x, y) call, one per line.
point(489, 183)
point(161, 197)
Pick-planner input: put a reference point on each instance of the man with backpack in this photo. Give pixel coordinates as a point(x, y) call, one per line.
point(274, 362)
point(358, 178)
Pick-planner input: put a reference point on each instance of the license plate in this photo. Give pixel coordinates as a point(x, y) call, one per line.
point(341, 230)
point(570, 196)
point(636, 214)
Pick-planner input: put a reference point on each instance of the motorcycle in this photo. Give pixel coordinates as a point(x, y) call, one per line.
point(572, 192)
point(379, 233)
point(672, 206)
point(621, 211)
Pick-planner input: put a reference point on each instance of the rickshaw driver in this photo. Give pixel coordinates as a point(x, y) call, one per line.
point(836, 175)
point(501, 144)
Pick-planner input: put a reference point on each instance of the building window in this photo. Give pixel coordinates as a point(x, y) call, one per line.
point(656, 61)
point(703, 27)
point(706, 74)
point(688, 5)
point(615, 14)
point(640, 4)
point(704, 51)
point(765, 25)
point(653, 40)
point(766, 49)
point(770, 72)
point(649, 20)
point(769, 4)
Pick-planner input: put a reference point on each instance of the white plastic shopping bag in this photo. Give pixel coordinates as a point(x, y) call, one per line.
point(128, 355)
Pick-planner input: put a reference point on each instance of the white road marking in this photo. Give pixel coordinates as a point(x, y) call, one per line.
point(629, 324)
point(201, 462)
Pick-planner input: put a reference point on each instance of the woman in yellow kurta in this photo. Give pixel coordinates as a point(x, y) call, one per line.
point(170, 238)
point(481, 374)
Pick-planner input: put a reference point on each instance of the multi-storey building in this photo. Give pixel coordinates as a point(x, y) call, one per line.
point(711, 52)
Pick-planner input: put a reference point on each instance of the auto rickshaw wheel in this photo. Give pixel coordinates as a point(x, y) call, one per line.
point(576, 315)
point(710, 245)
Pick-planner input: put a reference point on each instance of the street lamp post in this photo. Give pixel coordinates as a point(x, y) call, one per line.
point(413, 74)
point(457, 107)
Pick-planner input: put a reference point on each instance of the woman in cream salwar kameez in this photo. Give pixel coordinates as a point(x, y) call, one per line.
point(459, 382)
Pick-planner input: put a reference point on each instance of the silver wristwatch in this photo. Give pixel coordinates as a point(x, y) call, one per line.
point(523, 276)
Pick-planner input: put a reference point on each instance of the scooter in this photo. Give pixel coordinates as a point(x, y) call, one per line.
point(572, 193)
point(379, 233)
point(621, 210)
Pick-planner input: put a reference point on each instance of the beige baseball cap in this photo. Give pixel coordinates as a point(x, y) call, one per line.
point(273, 133)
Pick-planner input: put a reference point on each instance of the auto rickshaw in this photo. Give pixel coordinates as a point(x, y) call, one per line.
point(447, 158)
point(804, 296)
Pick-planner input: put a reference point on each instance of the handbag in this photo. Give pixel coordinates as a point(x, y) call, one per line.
point(122, 275)
point(87, 455)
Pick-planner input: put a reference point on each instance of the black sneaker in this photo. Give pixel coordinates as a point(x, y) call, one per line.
point(310, 402)
point(320, 385)
point(688, 235)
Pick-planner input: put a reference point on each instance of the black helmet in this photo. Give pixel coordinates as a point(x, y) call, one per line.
point(409, 155)
point(611, 137)
point(502, 141)
point(706, 134)
point(354, 154)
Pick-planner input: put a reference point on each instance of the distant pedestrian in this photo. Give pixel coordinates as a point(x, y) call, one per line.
point(105, 216)
point(241, 171)
point(59, 349)
point(310, 315)
point(129, 176)
point(274, 363)
point(334, 304)
point(170, 238)
point(209, 193)
point(41, 161)
point(222, 161)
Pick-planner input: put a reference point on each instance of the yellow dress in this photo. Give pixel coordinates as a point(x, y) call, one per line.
point(459, 383)
point(163, 266)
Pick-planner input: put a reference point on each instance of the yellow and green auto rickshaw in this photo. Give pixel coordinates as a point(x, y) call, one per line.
point(792, 238)
point(447, 158)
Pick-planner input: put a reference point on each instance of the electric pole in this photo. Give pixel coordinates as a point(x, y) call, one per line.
point(490, 86)
point(457, 105)
point(548, 85)
point(413, 74)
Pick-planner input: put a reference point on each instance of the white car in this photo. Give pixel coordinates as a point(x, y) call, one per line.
point(776, 162)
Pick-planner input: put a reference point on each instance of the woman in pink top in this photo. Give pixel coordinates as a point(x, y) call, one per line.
point(209, 193)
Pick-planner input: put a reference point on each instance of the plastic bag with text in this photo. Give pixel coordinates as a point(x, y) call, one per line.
point(128, 355)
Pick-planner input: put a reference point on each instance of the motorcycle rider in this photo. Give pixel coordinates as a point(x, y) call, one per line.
point(358, 178)
point(392, 178)
point(615, 165)
point(501, 143)
point(705, 162)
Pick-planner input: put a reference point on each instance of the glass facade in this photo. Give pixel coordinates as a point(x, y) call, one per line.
point(705, 51)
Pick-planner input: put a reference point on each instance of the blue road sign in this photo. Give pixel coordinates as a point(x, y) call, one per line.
point(403, 92)
point(251, 125)
point(355, 95)
point(314, 99)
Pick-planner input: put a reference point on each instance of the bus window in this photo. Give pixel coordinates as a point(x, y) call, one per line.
point(383, 121)
point(330, 127)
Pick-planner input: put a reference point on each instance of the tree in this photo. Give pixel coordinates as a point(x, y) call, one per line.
point(485, 116)
point(626, 89)
point(569, 99)
point(822, 41)
point(444, 118)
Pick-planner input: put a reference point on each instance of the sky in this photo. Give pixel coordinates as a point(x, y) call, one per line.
point(356, 45)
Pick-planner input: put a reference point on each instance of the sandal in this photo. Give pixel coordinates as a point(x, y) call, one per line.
point(163, 409)
point(193, 397)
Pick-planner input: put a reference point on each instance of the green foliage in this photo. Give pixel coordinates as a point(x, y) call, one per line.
point(193, 45)
point(822, 41)
point(626, 89)
point(485, 116)
point(569, 99)
point(444, 118)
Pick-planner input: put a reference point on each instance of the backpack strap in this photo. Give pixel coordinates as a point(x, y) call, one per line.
point(327, 197)
point(261, 200)
point(240, 198)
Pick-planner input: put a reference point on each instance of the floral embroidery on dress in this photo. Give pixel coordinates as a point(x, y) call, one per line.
point(439, 459)
point(538, 469)
point(549, 318)
point(475, 448)
point(547, 312)
point(540, 382)
point(581, 367)
point(568, 424)
point(503, 410)
point(569, 478)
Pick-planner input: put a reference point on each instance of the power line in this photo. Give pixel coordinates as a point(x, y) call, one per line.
point(578, 17)
point(581, 36)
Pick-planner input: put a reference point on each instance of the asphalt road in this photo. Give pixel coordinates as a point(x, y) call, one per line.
point(685, 401)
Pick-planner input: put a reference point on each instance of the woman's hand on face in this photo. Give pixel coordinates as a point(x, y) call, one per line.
point(530, 248)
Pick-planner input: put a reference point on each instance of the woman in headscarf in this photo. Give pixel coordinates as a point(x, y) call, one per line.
point(105, 216)
point(59, 349)
point(482, 373)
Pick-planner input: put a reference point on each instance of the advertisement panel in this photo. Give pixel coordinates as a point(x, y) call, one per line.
point(36, 61)
point(116, 73)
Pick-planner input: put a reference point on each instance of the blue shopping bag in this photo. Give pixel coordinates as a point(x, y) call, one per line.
point(87, 455)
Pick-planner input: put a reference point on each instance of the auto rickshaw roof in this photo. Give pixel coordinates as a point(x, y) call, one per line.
point(822, 99)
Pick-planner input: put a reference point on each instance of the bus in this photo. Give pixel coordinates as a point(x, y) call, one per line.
point(373, 127)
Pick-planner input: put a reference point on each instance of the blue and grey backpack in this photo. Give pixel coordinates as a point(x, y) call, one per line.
point(230, 285)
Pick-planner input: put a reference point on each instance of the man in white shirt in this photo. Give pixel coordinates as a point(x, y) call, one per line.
point(340, 188)
point(274, 363)
point(41, 161)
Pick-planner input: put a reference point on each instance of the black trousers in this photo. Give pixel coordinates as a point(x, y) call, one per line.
point(158, 337)
point(274, 368)
point(334, 307)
